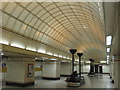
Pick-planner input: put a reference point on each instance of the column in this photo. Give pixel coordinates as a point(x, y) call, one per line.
point(77, 66)
point(116, 72)
point(20, 72)
point(112, 70)
point(38, 69)
point(66, 68)
point(119, 44)
point(3, 67)
point(51, 70)
point(119, 73)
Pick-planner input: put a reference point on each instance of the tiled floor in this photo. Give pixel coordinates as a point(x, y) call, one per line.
point(100, 81)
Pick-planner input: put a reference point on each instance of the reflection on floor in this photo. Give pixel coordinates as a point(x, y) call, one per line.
point(100, 81)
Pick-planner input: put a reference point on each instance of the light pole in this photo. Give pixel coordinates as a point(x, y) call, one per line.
point(73, 51)
point(80, 54)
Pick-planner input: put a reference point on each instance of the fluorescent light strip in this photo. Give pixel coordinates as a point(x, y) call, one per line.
point(87, 61)
point(102, 61)
point(113, 57)
point(41, 51)
point(17, 45)
point(31, 49)
point(4, 42)
point(53, 59)
point(68, 58)
point(107, 61)
point(108, 40)
point(60, 56)
point(64, 57)
point(2, 53)
point(108, 49)
point(55, 55)
point(49, 53)
point(108, 55)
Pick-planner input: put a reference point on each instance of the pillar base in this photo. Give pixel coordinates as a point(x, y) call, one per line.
point(19, 84)
point(64, 75)
point(112, 81)
point(51, 78)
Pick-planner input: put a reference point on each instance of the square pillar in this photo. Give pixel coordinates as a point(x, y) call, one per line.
point(51, 70)
point(66, 68)
point(20, 72)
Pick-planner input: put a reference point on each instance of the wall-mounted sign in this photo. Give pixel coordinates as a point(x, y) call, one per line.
point(30, 70)
point(3, 65)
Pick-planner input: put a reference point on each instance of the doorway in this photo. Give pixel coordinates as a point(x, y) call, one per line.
point(100, 69)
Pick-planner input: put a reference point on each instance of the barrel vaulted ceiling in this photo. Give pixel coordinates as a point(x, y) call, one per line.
point(61, 25)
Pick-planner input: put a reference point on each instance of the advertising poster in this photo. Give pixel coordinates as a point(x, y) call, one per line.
point(30, 70)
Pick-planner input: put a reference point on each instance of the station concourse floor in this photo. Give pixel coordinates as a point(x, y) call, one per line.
point(99, 81)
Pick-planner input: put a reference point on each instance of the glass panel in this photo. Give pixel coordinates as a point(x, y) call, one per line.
point(4, 18)
point(17, 26)
point(28, 31)
point(50, 41)
point(17, 11)
point(32, 5)
point(37, 9)
point(53, 34)
point(55, 23)
point(51, 7)
point(41, 12)
point(46, 4)
point(61, 3)
point(23, 15)
point(48, 19)
point(33, 21)
point(45, 16)
point(37, 24)
point(36, 34)
point(32, 33)
point(48, 30)
point(28, 19)
point(22, 29)
point(58, 36)
point(56, 26)
point(24, 3)
point(40, 36)
point(45, 28)
point(52, 21)
point(46, 39)
point(10, 7)
point(56, 14)
point(60, 16)
point(4, 4)
point(41, 26)
point(43, 38)
point(54, 10)
point(51, 31)
point(66, 7)
point(10, 23)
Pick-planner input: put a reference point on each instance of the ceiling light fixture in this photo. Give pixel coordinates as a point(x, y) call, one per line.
point(17, 45)
point(108, 40)
point(41, 51)
point(2, 54)
point(53, 59)
point(102, 61)
point(31, 49)
point(108, 49)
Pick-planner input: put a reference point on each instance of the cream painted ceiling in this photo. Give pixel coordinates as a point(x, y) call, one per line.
point(62, 25)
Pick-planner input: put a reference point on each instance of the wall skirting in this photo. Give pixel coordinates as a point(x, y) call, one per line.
point(19, 84)
point(51, 78)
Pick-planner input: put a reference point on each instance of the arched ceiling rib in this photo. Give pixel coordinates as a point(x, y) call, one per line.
point(62, 25)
